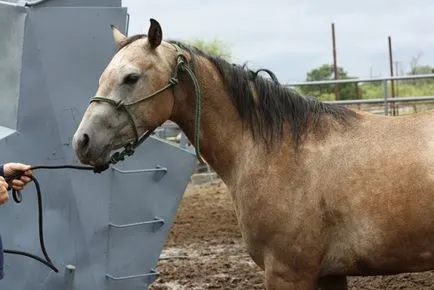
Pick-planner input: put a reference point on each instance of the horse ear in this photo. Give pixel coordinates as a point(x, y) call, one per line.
point(155, 34)
point(117, 35)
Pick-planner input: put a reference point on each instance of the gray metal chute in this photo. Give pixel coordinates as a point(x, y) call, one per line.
point(102, 231)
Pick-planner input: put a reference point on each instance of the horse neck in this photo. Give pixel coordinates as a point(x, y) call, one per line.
point(221, 132)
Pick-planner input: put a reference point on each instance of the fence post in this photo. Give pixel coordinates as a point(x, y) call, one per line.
point(386, 105)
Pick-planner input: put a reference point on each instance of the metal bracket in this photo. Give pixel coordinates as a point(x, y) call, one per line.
point(158, 170)
point(157, 223)
point(152, 276)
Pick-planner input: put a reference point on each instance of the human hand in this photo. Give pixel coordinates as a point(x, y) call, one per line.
point(12, 169)
point(4, 195)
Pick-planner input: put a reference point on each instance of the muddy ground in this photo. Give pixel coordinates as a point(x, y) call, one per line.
point(204, 251)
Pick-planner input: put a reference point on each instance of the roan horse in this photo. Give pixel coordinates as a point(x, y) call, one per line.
point(321, 192)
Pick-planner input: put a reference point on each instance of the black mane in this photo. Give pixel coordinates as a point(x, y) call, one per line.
point(274, 104)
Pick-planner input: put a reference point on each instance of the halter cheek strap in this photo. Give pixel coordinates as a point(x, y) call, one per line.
point(121, 105)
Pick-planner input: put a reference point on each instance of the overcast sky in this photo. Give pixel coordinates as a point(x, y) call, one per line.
point(291, 37)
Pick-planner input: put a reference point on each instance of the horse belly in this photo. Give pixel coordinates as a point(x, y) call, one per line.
point(387, 228)
point(377, 253)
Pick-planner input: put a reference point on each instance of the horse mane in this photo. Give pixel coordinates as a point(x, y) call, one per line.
point(274, 104)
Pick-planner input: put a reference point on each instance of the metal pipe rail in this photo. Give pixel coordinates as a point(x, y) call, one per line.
point(386, 100)
point(356, 80)
point(380, 100)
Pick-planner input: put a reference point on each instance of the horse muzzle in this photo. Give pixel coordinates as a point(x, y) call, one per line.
point(87, 150)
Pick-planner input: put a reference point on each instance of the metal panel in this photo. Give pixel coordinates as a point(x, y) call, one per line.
point(87, 216)
point(72, 46)
point(155, 195)
point(12, 20)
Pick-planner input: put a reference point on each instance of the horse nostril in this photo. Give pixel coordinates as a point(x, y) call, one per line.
point(84, 140)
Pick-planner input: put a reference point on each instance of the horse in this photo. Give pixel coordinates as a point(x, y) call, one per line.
point(320, 191)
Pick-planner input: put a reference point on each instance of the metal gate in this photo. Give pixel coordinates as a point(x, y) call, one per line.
point(102, 231)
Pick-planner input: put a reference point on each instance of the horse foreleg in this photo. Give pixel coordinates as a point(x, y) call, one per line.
point(282, 278)
point(276, 282)
point(332, 283)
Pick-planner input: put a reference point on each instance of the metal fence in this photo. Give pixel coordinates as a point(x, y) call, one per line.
point(386, 100)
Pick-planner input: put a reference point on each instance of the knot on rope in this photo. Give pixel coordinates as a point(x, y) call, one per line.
point(173, 81)
point(119, 104)
point(120, 156)
point(116, 157)
point(181, 60)
point(129, 150)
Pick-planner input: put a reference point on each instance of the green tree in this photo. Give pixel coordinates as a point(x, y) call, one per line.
point(421, 70)
point(418, 69)
point(216, 47)
point(326, 72)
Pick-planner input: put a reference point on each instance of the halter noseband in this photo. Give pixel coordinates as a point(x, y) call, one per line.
point(121, 105)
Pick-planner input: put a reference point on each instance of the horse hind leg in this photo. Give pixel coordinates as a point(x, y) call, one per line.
point(333, 283)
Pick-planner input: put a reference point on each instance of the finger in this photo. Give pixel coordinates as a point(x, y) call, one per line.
point(4, 189)
point(13, 168)
point(17, 183)
point(25, 179)
point(17, 187)
point(19, 167)
point(4, 185)
point(4, 198)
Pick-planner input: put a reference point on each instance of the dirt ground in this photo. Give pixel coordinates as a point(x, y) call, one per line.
point(204, 251)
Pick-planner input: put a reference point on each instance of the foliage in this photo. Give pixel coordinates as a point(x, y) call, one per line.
point(421, 70)
point(403, 88)
point(326, 91)
point(215, 47)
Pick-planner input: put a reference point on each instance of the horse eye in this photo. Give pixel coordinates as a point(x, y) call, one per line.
point(131, 79)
